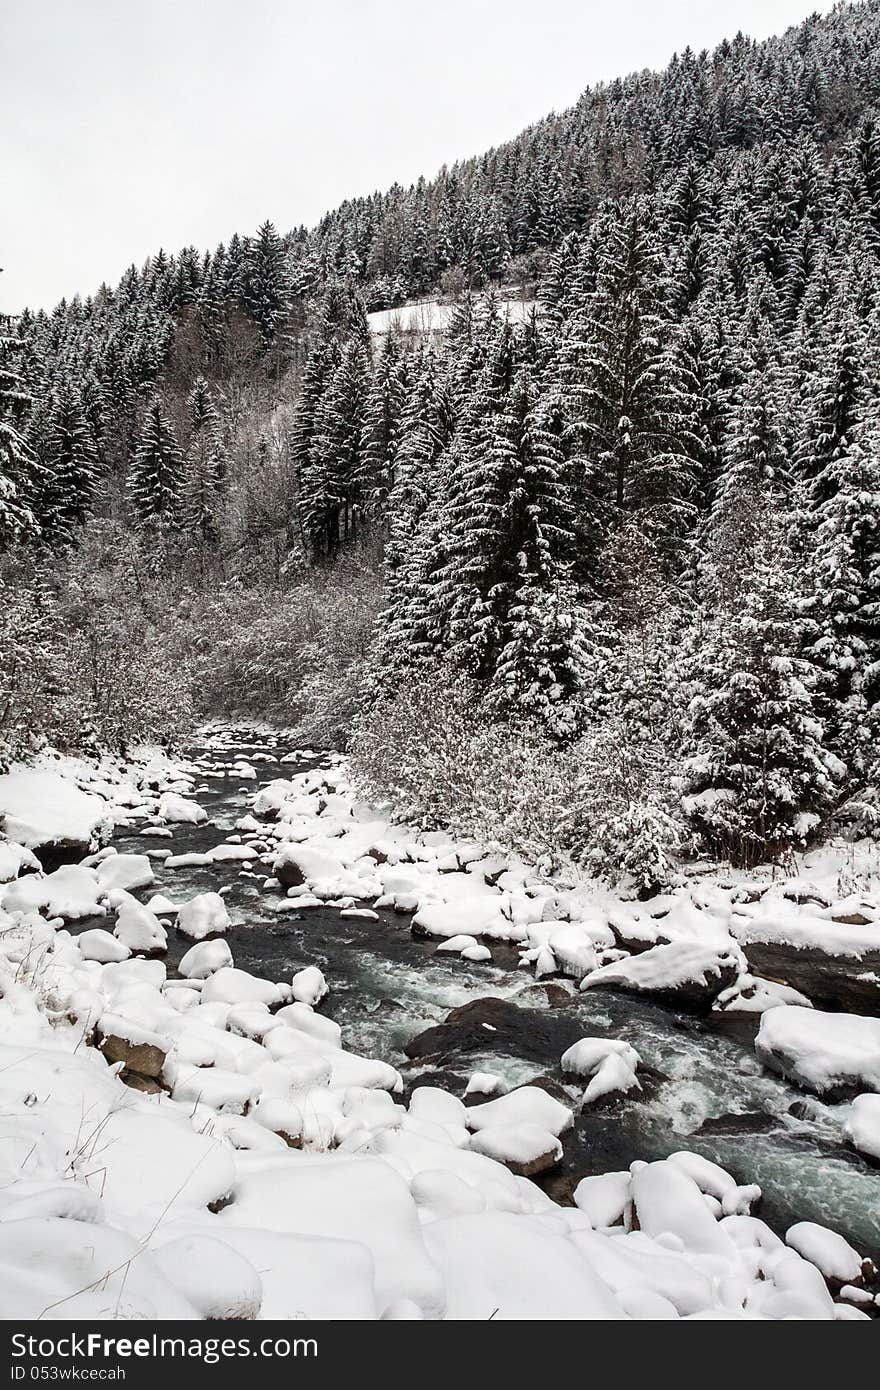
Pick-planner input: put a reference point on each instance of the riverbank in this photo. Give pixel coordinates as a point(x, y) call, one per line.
point(258, 1137)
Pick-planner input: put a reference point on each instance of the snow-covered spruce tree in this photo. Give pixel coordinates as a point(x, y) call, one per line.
point(17, 464)
point(204, 472)
point(71, 468)
point(630, 416)
point(835, 394)
point(759, 777)
point(843, 606)
point(382, 424)
point(333, 482)
point(156, 476)
point(543, 652)
point(266, 283)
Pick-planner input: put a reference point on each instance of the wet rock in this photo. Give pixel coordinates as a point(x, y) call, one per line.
point(734, 1124)
point(497, 1026)
point(445, 1080)
point(842, 982)
point(556, 996)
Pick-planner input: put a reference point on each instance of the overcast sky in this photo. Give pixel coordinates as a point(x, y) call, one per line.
point(126, 125)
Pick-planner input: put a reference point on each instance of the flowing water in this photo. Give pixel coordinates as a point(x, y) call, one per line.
point(386, 986)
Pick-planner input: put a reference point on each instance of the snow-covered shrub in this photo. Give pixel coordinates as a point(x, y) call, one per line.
point(294, 652)
point(601, 804)
point(32, 677)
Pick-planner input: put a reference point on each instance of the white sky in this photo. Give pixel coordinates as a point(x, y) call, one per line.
point(126, 125)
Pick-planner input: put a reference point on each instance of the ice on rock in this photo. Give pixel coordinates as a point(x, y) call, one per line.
point(827, 1053)
point(126, 871)
point(203, 916)
point(476, 953)
point(572, 946)
point(179, 810)
point(309, 986)
point(100, 945)
point(218, 1280)
point(456, 944)
point(833, 1256)
point(863, 1125)
point(204, 959)
point(525, 1105)
point(353, 1199)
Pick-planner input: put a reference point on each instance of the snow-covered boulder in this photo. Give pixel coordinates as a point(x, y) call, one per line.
point(83, 1272)
point(499, 1266)
point(204, 959)
point(361, 1199)
point(231, 986)
point(136, 926)
point(128, 871)
point(525, 1105)
point(14, 859)
point(101, 946)
point(684, 972)
point(203, 916)
point(218, 1280)
point(271, 798)
point(137, 1048)
point(309, 986)
point(863, 1125)
point(833, 1256)
point(180, 810)
point(71, 892)
point(831, 1054)
point(524, 1148)
point(40, 808)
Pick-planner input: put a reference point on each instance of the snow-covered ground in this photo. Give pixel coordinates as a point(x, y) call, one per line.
point(430, 316)
point(203, 1143)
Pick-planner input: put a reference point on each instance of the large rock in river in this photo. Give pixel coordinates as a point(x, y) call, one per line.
point(500, 1027)
point(834, 1055)
point(686, 973)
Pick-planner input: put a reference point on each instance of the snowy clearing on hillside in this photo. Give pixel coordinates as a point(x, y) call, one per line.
point(430, 316)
